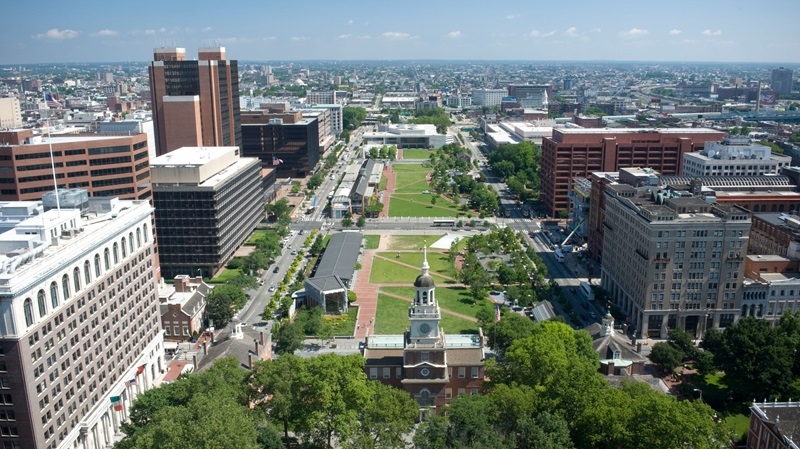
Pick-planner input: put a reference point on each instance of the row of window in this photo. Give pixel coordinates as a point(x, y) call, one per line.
point(387, 372)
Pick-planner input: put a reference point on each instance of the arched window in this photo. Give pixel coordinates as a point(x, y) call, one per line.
point(130, 242)
point(124, 251)
point(87, 273)
point(65, 286)
point(138, 238)
point(144, 231)
point(28, 306)
point(106, 259)
point(97, 265)
point(116, 253)
point(41, 301)
point(54, 294)
point(76, 279)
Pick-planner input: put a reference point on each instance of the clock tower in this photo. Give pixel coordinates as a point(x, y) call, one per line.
point(424, 313)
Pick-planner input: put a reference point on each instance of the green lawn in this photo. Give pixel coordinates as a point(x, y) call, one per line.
point(226, 275)
point(257, 235)
point(343, 325)
point(411, 241)
point(399, 207)
point(425, 198)
point(392, 318)
point(398, 168)
point(372, 241)
point(387, 272)
point(739, 423)
point(438, 262)
point(415, 153)
point(410, 185)
point(455, 299)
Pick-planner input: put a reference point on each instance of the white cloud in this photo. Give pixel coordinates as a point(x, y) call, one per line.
point(396, 35)
point(207, 29)
point(572, 32)
point(454, 34)
point(105, 33)
point(596, 30)
point(634, 33)
point(344, 36)
point(269, 38)
point(712, 33)
point(350, 22)
point(58, 35)
point(537, 33)
point(299, 38)
point(512, 16)
point(232, 40)
point(674, 32)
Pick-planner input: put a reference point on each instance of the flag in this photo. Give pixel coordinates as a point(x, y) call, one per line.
point(497, 313)
point(140, 370)
point(131, 382)
point(115, 399)
point(51, 101)
point(276, 161)
point(118, 407)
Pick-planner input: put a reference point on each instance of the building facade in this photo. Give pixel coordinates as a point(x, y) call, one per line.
point(734, 156)
point(208, 200)
point(321, 96)
point(673, 261)
point(102, 164)
point(10, 113)
point(406, 136)
point(431, 366)
point(571, 153)
point(488, 97)
point(195, 103)
point(183, 306)
point(774, 425)
point(80, 332)
point(284, 141)
point(782, 81)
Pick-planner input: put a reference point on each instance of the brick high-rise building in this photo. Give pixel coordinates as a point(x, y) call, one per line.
point(102, 164)
point(195, 103)
point(80, 332)
point(571, 153)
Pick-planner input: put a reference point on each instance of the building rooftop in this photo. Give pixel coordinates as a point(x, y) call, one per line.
point(637, 130)
point(198, 166)
point(341, 256)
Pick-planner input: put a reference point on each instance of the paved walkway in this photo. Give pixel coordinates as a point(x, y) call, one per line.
point(367, 297)
point(399, 154)
point(391, 179)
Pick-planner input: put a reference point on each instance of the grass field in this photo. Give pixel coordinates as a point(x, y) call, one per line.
point(455, 299)
point(372, 241)
point(226, 275)
point(438, 262)
point(400, 207)
point(392, 318)
point(400, 168)
point(411, 241)
point(415, 153)
point(257, 235)
point(387, 272)
point(343, 325)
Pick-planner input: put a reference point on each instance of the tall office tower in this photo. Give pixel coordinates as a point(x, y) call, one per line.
point(10, 113)
point(195, 103)
point(571, 153)
point(673, 261)
point(208, 200)
point(104, 165)
point(80, 332)
point(782, 81)
point(283, 140)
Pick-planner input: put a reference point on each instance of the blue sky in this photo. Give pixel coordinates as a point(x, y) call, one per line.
point(674, 30)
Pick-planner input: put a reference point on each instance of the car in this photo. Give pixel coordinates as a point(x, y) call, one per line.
point(294, 252)
point(302, 231)
point(277, 269)
point(272, 288)
point(426, 192)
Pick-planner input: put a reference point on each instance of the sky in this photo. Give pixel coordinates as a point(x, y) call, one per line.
point(573, 30)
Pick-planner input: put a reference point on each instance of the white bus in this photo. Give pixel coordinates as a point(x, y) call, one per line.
point(587, 291)
point(559, 256)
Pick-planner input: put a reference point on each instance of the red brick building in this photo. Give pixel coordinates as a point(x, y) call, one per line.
point(774, 425)
point(431, 366)
point(571, 153)
point(102, 164)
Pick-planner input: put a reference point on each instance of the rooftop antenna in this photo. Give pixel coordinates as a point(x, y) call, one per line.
point(52, 159)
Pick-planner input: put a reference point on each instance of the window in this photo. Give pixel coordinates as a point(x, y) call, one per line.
point(474, 373)
point(185, 330)
point(138, 238)
point(124, 250)
point(97, 265)
point(462, 372)
point(144, 232)
point(448, 393)
point(398, 372)
point(373, 373)
point(54, 294)
point(130, 242)
point(387, 373)
point(28, 306)
point(42, 303)
point(424, 356)
point(105, 259)
point(76, 279)
point(65, 286)
point(87, 273)
point(116, 253)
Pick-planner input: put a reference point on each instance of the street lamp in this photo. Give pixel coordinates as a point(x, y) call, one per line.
point(701, 393)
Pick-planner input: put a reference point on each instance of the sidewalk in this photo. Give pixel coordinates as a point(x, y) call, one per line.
point(391, 179)
point(367, 295)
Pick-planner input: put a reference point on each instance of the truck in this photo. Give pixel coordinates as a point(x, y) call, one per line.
point(567, 249)
point(559, 256)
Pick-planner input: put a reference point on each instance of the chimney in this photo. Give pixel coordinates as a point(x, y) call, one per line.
point(194, 362)
point(261, 334)
point(256, 349)
point(250, 360)
point(205, 348)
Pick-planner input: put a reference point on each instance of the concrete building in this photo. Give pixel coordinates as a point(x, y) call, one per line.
point(102, 164)
point(572, 153)
point(672, 260)
point(10, 113)
point(336, 118)
point(135, 123)
point(321, 96)
point(284, 141)
point(195, 103)
point(406, 136)
point(754, 193)
point(488, 97)
point(531, 95)
point(208, 200)
point(782, 81)
point(182, 307)
point(734, 156)
point(80, 332)
point(333, 276)
point(774, 425)
point(580, 198)
point(323, 118)
point(775, 234)
point(431, 366)
point(771, 287)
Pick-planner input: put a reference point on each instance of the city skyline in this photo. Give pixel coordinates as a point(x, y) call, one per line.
point(713, 31)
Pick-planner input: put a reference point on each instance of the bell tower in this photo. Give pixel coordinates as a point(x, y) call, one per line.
point(424, 314)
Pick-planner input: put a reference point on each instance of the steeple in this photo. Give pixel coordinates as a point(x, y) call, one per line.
point(425, 267)
point(608, 323)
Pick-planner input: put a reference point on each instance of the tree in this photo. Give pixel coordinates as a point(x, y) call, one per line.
point(287, 338)
point(432, 434)
point(511, 327)
point(275, 385)
point(544, 431)
point(666, 356)
point(361, 222)
point(256, 260)
point(280, 209)
point(373, 153)
point(353, 117)
point(243, 281)
point(474, 275)
point(316, 247)
point(269, 438)
point(223, 302)
point(683, 341)
point(347, 222)
point(505, 274)
point(314, 181)
point(388, 415)
point(470, 425)
point(434, 198)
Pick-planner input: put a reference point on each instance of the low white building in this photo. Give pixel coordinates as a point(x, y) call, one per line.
point(406, 136)
point(734, 156)
point(488, 97)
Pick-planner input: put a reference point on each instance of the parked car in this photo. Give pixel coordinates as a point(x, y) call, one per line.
point(272, 288)
point(277, 269)
point(294, 252)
